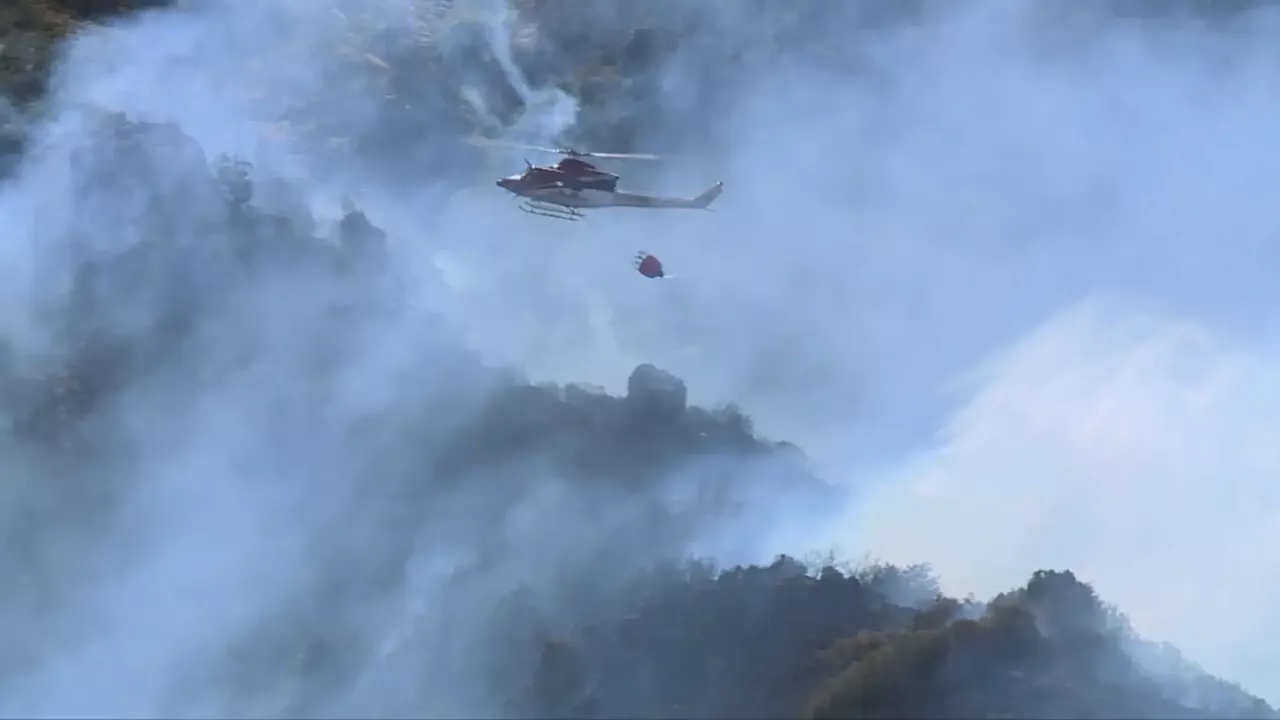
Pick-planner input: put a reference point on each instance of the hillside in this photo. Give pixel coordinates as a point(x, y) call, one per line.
point(422, 534)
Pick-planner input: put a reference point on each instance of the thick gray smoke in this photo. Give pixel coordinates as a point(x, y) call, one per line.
point(321, 473)
point(1070, 204)
point(1008, 274)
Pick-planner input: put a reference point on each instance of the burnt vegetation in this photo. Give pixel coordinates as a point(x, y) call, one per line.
point(612, 631)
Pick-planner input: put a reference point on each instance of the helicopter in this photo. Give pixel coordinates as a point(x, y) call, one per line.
point(564, 190)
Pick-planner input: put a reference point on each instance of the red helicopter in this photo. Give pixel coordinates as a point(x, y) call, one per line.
point(564, 190)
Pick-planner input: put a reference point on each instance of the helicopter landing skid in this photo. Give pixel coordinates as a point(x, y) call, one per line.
point(551, 210)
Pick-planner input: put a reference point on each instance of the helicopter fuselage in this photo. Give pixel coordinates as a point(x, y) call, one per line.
point(569, 173)
point(564, 189)
point(574, 197)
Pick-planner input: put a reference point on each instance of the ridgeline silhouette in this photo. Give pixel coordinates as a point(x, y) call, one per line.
point(628, 625)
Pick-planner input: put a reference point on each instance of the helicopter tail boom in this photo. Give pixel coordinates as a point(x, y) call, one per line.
point(701, 202)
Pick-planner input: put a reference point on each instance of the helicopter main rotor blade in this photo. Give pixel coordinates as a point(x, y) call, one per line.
point(623, 156)
point(474, 140)
point(561, 151)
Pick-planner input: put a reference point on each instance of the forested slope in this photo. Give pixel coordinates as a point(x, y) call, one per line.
point(609, 614)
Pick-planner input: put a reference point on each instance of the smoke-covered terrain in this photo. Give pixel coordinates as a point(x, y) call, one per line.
point(302, 418)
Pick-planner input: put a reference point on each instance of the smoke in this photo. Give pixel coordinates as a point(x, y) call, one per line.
point(904, 201)
point(1080, 219)
point(985, 172)
point(1127, 446)
point(322, 471)
point(890, 230)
